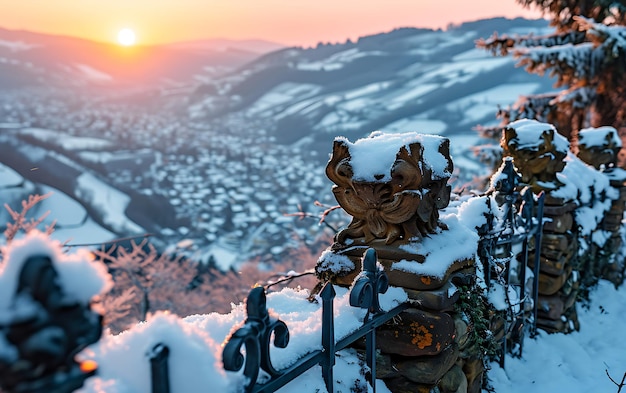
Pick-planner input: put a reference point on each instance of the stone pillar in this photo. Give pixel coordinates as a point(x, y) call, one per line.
point(538, 152)
point(394, 186)
point(599, 147)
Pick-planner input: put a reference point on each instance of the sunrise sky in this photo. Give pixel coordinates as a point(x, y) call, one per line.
point(290, 22)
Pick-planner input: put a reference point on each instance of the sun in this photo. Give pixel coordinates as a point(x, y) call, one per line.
point(126, 37)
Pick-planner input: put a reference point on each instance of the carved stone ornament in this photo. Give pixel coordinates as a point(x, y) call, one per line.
point(599, 147)
point(393, 185)
point(538, 151)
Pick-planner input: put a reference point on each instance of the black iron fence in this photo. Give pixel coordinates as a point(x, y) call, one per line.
point(255, 337)
point(258, 328)
point(521, 221)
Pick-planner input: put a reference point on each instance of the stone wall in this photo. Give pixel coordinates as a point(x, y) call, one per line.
point(582, 214)
point(395, 188)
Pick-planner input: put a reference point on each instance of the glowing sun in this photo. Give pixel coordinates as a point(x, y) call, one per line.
point(126, 37)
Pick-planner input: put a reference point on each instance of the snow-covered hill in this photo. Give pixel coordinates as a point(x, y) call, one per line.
point(408, 79)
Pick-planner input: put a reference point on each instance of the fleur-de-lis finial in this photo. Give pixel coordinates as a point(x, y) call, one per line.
point(255, 335)
point(369, 284)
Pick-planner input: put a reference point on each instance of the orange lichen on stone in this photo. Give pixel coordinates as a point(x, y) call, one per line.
point(425, 280)
point(421, 336)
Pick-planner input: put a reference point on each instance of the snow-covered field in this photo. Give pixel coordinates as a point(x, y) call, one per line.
point(577, 362)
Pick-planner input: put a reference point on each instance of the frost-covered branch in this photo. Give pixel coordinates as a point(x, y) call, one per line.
point(20, 222)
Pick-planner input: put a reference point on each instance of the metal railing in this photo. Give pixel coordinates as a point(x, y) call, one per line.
point(256, 332)
point(522, 221)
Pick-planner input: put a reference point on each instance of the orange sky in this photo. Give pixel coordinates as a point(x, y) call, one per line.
point(291, 22)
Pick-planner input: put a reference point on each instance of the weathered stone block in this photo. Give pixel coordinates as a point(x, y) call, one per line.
point(399, 278)
point(385, 367)
point(420, 333)
point(558, 224)
point(553, 307)
point(476, 386)
point(454, 381)
point(549, 285)
point(428, 369)
point(548, 265)
point(556, 245)
point(403, 385)
point(552, 209)
point(441, 299)
point(473, 369)
point(496, 326)
point(551, 202)
point(567, 323)
point(461, 332)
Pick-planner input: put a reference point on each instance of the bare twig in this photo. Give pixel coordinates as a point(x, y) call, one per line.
point(288, 277)
point(114, 241)
point(619, 385)
point(301, 214)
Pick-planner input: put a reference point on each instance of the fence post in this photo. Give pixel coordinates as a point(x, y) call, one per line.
point(538, 236)
point(159, 369)
point(328, 335)
point(364, 294)
point(255, 336)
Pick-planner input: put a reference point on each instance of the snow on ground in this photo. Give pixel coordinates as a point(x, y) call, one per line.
point(66, 141)
point(224, 257)
point(109, 202)
point(9, 178)
point(577, 362)
point(452, 71)
point(88, 233)
point(284, 93)
point(65, 210)
point(410, 93)
point(499, 95)
point(416, 124)
point(195, 345)
point(336, 61)
point(463, 156)
point(73, 225)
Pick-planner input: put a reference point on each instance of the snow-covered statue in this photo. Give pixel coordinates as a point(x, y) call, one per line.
point(538, 151)
point(599, 147)
point(393, 185)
